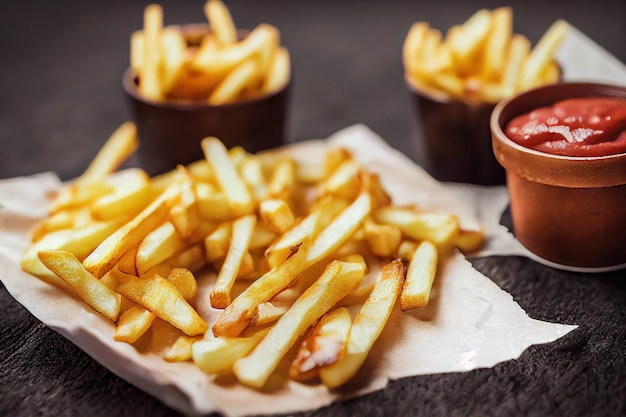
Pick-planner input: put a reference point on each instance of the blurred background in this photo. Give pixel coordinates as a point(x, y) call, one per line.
point(62, 62)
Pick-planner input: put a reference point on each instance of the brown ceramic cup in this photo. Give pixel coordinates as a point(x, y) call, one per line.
point(570, 211)
point(170, 131)
point(454, 140)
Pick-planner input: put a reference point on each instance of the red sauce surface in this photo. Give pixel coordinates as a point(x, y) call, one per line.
point(591, 126)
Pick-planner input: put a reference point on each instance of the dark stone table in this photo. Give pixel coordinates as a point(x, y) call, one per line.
point(60, 98)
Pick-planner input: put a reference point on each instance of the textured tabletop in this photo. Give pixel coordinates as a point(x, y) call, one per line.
point(60, 97)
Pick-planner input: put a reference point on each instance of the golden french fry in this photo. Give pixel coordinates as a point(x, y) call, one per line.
point(322, 346)
point(173, 52)
point(383, 239)
point(217, 355)
point(128, 197)
point(216, 244)
point(236, 317)
point(93, 292)
point(234, 83)
point(158, 295)
point(366, 327)
point(471, 36)
point(137, 51)
point(184, 281)
point(337, 281)
point(283, 179)
point(269, 312)
point(276, 214)
point(238, 195)
point(118, 147)
point(412, 45)
point(149, 79)
point(497, 43)
point(469, 241)
point(221, 22)
point(519, 48)
point(419, 277)
point(541, 55)
point(343, 182)
point(436, 227)
point(251, 170)
point(77, 195)
point(211, 203)
point(180, 351)
point(279, 72)
point(341, 228)
point(241, 233)
point(133, 323)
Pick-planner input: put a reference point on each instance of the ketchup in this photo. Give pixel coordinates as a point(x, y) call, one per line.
point(590, 126)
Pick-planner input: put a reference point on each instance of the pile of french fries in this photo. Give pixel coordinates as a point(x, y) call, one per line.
point(291, 244)
point(216, 67)
point(481, 60)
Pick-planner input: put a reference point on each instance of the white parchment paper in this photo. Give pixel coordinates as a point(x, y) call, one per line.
point(469, 323)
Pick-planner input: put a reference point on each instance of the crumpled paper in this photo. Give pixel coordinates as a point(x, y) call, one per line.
point(470, 322)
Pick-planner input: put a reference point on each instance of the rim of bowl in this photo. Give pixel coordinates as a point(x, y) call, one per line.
point(590, 171)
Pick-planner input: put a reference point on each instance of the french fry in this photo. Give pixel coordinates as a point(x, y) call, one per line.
point(156, 294)
point(383, 240)
point(127, 198)
point(93, 292)
point(133, 323)
point(234, 83)
point(149, 82)
point(184, 281)
point(412, 45)
point(366, 327)
point(322, 346)
point(218, 355)
point(221, 22)
point(211, 203)
point(436, 227)
point(239, 198)
point(337, 281)
point(241, 233)
point(497, 43)
point(118, 147)
point(419, 277)
point(542, 53)
point(173, 53)
point(216, 244)
point(180, 351)
point(276, 214)
point(279, 72)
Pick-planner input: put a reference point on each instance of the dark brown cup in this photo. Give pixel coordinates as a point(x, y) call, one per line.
point(170, 131)
point(570, 211)
point(454, 140)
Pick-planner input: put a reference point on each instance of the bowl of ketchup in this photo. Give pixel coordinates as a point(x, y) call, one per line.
point(563, 148)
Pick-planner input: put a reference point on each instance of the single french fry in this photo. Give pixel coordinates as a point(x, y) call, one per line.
point(128, 197)
point(137, 51)
point(279, 72)
point(341, 228)
point(541, 55)
point(366, 327)
point(218, 354)
point(234, 83)
point(221, 22)
point(181, 350)
point(283, 179)
point(436, 227)
point(337, 281)
point(93, 292)
point(383, 240)
point(118, 147)
point(497, 43)
point(471, 36)
point(412, 45)
point(519, 48)
point(469, 241)
point(149, 79)
point(133, 323)
point(419, 277)
point(238, 195)
point(184, 281)
point(216, 244)
point(173, 51)
point(241, 234)
point(322, 346)
point(276, 214)
point(212, 204)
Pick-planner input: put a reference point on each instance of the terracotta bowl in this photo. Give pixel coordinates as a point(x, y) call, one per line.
point(569, 211)
point(454, 140)
point(170, 131)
